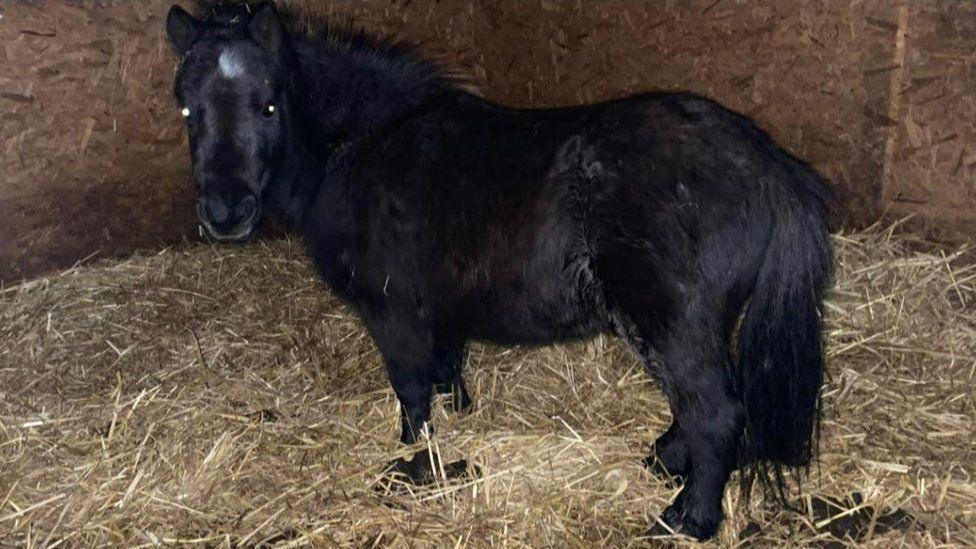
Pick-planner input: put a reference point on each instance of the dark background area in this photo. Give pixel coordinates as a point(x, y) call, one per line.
point(876, 95)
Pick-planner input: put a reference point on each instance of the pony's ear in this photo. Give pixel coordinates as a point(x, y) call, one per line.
point(181, 29)
point(265, 28)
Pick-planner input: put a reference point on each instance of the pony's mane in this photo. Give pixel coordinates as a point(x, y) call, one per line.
point(305, 28)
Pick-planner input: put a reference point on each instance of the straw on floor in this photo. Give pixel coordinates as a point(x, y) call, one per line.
point(220, 396)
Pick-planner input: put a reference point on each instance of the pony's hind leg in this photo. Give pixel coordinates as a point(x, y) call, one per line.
point(711, 420)
point(688, 353)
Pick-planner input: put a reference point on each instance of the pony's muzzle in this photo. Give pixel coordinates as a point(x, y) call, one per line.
point(228, 222)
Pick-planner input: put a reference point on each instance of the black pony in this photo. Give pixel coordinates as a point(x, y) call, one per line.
point(442, 218)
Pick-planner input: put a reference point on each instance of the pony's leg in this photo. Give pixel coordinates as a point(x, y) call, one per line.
point(669, 455)
point(413, 390)
point(448, 378)
point(411, 361)
point(408, 353)
point(690, 357)
point(711, 420)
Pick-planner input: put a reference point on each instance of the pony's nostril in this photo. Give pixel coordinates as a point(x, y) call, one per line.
point(216, 212)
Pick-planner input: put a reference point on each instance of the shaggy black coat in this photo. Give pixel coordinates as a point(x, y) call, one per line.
point(443, 218)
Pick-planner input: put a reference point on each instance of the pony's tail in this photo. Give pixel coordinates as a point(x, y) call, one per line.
point(780, 368)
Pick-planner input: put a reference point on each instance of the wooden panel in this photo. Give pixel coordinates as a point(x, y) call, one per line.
point(932, 171)
point(91, 151)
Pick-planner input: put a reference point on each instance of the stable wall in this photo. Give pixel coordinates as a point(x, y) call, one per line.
point(93, 158)
point(931, 166)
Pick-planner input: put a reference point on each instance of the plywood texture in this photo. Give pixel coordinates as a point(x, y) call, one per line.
point(92, 154)
point(932, 170)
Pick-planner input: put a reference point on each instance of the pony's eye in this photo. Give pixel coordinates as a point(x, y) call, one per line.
point(185, 111)
point(269, 110)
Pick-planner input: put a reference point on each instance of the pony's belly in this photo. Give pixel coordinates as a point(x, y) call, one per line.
point(532, 315)
point(511, 328)
point(535, 294)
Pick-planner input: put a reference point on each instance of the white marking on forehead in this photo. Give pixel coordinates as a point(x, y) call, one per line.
point(231, 63)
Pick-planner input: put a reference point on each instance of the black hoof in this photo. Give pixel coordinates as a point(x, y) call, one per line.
point(674, 521)
point(420, 471)
point(660, 530)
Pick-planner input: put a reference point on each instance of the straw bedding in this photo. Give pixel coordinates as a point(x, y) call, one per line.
point(220, 396)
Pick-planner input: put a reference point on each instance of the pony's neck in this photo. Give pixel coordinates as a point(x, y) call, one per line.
point(297, 179)
point(344, 90)
point(352, 86)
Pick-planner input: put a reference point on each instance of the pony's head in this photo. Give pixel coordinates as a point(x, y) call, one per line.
point(231, 89)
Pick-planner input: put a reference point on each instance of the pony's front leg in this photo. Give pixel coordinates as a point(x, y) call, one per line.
point(413, 389)
point(411, 361)
point(408, 352)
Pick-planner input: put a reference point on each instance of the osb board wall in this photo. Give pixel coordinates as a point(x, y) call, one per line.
point(90, 159)
point(93, 156)
point(932, 165)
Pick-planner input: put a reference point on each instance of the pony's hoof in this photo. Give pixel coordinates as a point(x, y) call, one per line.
point(675, 521)
point(420, 471)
